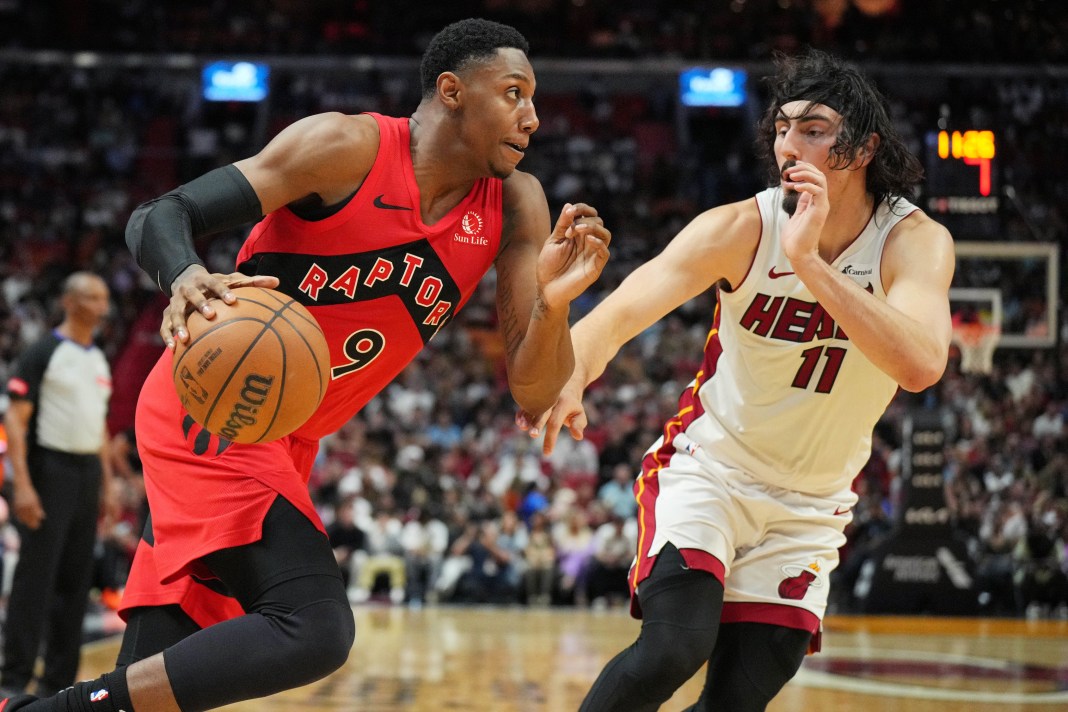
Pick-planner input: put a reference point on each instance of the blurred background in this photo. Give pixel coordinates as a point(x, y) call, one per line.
point(647, 111)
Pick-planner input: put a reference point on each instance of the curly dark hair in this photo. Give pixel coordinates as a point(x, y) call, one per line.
point(462, 43)
point(820, 78)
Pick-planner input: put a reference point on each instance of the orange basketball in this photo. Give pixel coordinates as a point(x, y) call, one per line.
point(257, 371)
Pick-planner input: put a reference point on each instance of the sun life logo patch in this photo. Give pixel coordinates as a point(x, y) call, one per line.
point(471, 223)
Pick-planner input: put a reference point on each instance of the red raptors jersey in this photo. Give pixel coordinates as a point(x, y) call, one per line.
point(379, 280)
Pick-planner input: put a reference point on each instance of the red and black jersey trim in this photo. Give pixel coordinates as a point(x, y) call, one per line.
point(366, 276)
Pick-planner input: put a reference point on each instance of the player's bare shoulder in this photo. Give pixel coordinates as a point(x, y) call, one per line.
point(327, 155)
point(919, 244)
point(338, 140)
point(918, 231)
point(918, 222)
point(520, 190)
point(732, 223)
point(723, 240)
point(524, 208)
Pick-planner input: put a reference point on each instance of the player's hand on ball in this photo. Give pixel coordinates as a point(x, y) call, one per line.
point(192, 291)
point(256, 371)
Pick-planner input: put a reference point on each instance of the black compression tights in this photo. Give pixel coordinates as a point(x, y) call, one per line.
point(298, 629)
point(299, 632)
point(153, 629)
point(680, 615)
point(751, 663)
point(748, 662)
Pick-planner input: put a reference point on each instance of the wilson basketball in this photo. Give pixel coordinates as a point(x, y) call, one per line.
point(257, 371)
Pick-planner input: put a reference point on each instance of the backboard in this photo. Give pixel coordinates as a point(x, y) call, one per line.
point(1014, 285)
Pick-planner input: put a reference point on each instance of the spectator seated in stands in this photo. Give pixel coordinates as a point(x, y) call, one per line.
point(491, 577)
point(574, 544)
point(613, 554)
point(425, 539)
point(1004, 529)
point(540, 556)
point(385, 560)
point(348, 542)
point(1041, 582)
point(617, 494)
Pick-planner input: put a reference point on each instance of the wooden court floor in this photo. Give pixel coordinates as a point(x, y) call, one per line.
point(544, 660)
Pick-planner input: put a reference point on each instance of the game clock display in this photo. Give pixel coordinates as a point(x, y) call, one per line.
point(961, 172)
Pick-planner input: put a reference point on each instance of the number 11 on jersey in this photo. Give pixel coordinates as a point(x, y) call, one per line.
point(810, 360)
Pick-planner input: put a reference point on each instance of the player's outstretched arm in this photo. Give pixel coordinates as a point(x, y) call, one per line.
point(326, 155)
point(718, 244)
point(539, 271)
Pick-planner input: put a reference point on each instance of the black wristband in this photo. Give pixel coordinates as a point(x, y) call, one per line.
point(160, 233)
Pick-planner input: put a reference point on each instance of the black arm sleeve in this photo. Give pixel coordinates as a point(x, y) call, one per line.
point(160, 233)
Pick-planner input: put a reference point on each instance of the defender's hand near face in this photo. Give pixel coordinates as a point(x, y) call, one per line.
point(573, 256)
point(801, 236)
point(191, 291)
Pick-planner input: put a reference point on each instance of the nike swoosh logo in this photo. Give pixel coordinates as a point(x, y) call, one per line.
point(387, 206)
point(775, 275)
point(839, 510)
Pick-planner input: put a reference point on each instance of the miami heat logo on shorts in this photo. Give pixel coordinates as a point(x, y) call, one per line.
point(799, 578)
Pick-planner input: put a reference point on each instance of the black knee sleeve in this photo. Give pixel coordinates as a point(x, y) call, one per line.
point(680, 618)
point(277, 648)
point(751, 663)
point(298, 627)
point(317, 637)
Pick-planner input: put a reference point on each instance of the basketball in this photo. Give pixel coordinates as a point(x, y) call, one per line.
point(257, 371)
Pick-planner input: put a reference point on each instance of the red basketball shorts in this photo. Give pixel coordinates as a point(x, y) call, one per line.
point(205, 494)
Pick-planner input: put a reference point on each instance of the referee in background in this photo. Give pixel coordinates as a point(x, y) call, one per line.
point(57, 443)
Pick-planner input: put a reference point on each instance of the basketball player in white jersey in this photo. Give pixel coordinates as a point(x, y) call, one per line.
point(832, 294)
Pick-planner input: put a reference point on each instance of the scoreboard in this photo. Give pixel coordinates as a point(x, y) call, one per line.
point(961, 172)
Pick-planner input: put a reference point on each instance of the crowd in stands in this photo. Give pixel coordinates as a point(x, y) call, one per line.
point(984, 31)
point(431, 494)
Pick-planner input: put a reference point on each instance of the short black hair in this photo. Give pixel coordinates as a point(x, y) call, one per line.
point(820, 78)
point(460, 44)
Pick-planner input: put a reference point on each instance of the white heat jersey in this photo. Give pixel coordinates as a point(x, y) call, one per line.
point(783, 394)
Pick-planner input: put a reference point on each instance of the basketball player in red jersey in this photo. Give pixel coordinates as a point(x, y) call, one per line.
point(832, 292)
point(382, 227)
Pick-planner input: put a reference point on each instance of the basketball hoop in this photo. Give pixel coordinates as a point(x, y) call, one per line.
point(976, 342)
